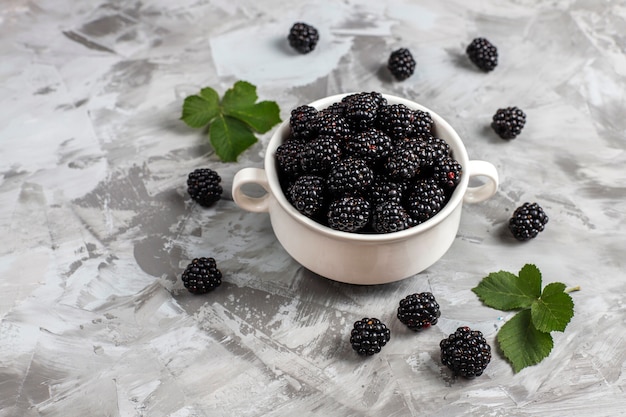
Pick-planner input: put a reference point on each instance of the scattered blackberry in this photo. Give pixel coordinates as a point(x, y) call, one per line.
point(527, 221)
point(331, 124)
point(390, 217)
point(307, 194)
point(371, 145)
point(483, 54)
point(303, 37)
point(349, 214)
point(201, 276)
point(383, 191)
point(319, 155)
point(288, 158)
point(203, 186)
point(466, 352)
point(508, 122)
point(419, 311)
point(396, 120)
point(447, 172)
point(303, 121)
point(425, 200)
point(401, 64)
point(368, 336)
point(360, 110)
point(350, 176)
point(402, 163)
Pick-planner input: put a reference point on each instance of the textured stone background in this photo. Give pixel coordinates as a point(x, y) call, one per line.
point(97, 225)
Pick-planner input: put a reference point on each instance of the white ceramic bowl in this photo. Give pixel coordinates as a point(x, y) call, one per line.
point(364, 258)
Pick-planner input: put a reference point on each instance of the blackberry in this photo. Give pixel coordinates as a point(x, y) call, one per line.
point(303, 121)
point(422, 149)
point(508, 122)
point(288, 159)
point(439, 146)
point(201, 276)
point(303, 37)
point(447, 172)
point(349, 213)
point(390, 217)
point(483, 54)
point(396, 120)
point(319, 155)
point(307, 194)
point(402, 163)
point(360, 110)
point(382, 191)
point(419, 311)
point(422, 123)
point(371, 145)
point(331, 124)
point(527, 221)
point(426, 199)
point(401, 64)
point(203, 186)
point(338, 109)
point(368, 336)
point(466, 352)
point(350, 176)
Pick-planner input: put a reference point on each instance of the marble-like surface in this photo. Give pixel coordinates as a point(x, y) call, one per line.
point(97, 226)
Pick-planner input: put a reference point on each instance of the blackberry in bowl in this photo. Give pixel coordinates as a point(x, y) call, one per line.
point(370, 226)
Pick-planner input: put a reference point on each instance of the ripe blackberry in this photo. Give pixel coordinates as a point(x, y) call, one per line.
point(303, 37)
point(350, 176)
point(371, 145)
point(303, 121)
point(439, 146)
point(508, 122)
point(319, 155)
point(201, 276)
point(349, 214)
point(360, 110)
point(331, 124)
point(402, 163)
point(203, 186)
point(422, 149)
point(466, 352)
point(396, 120)
point(401, 64)
point(307, 194)
point(527, 221)
point(338, 109)
point(288, 159)
point(368, 336)
point(447, 172)
point(383, 191)
point(390, 217)
point(423, 123)
point(419, 311)
point(483, 54)
point(425, 200)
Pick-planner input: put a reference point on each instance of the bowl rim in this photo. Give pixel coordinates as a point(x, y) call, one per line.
point(460, 154)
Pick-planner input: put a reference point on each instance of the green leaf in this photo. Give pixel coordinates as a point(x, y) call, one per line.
point(505, 291)
point(553, 310)
point(230, 137)
point(522, 344)
point(239, 102)
point(200, 110)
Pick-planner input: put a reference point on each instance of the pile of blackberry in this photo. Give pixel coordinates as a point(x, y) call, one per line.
point(365, 166)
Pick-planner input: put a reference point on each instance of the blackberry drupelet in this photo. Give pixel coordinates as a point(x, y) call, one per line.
point(465, 352)
point(303, 37)
point(308, 194)
point(303, 121)
point(201, 276)
point(371, 145)
point(390, 217)
point(425, 200)
point(508, 122)
point(360, 110)
point(483, 54)
point(402, 163)
point(396, 120)
point(419, 311)
point(288, 159)
point(349, 214)
point(368, 336)
point(319, 155)
point(527, 221)
point(447, 172)
point(203, 186)
point(401, 64)
point(350, 176)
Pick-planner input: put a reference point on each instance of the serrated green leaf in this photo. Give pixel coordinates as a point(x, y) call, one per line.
point(239, 102)
point(506, 291)
point(522, 344)
point(553, 310)
point(242, 94)
point(230, 137)
point(200, 110)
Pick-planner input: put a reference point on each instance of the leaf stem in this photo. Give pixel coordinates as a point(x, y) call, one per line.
point(572, 289)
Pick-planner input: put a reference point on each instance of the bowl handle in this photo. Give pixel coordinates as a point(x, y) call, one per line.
point(486, 190)
point(251, 176)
